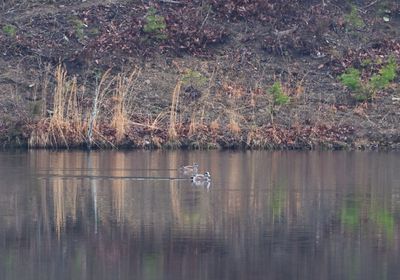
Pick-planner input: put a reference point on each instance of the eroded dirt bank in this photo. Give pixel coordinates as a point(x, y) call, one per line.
point(253, 74)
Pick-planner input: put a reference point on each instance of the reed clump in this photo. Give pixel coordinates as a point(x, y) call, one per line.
point(120, 119)
point(172, 132)
point(104, 122)
point(64, 126)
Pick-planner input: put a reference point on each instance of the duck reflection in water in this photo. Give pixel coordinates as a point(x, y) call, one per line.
point(205, 185)
point(202, 180)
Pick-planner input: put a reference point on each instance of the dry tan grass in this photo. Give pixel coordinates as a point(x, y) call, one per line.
point(103, 87)
point(156, 123)
point(59, 94)
point(120, 119)
point(172, 134)
point(193, 124)
point(68, 124)
point(233, 124)
point(234, 127)
point(214, 126)
point(45, 90)
point(64, 126)
point(233, 90)
point(112, 118)
point(252, 136)
point(101, 91)
point(74, 112)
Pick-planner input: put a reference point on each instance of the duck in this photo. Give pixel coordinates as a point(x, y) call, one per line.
point(190, 169)
point(201, 178)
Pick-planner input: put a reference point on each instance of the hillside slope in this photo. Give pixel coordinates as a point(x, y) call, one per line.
point(254, 74)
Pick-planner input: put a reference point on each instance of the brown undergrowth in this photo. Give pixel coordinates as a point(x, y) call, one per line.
point(226, 115)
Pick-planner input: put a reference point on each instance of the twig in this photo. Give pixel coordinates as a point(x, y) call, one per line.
point(170, 1)
point(370, 4)
point(144, 125)
point(285, 32)
point(93, 116)
point(365, 8)
point(205, 19)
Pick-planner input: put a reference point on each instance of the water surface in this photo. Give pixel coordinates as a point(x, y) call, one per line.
point(265, 215)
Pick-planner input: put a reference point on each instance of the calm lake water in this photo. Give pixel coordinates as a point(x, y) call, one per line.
point(265, 215)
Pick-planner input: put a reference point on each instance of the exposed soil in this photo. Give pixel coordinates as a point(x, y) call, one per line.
point(226, 55)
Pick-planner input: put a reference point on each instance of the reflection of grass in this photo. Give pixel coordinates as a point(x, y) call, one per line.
point(9, 262)
point(192, 218)
point(151, 264)
point(381, 219)
point(278, 201)
point(385, 221)
point(350, 215)
point(355, 267)
point(77, 262)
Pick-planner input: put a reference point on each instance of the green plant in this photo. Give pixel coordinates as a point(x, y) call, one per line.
point(93, 31)
point(351, 79)
point(79, 28)
point(193, 77)
point(353, 19)
point(386, 75)
point(155, 24)
point(365, 90)
point(279, 96)
point(9, 30)
point(366, 62)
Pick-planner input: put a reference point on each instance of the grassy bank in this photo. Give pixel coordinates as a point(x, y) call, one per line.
point(200, 74)
point(201, 113)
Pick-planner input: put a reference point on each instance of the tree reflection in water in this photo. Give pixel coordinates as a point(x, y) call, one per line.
point(266, 215)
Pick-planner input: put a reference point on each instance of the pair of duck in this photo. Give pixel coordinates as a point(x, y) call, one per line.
point(196, 177)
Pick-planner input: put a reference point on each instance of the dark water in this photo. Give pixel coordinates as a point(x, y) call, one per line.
point(266, 215)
